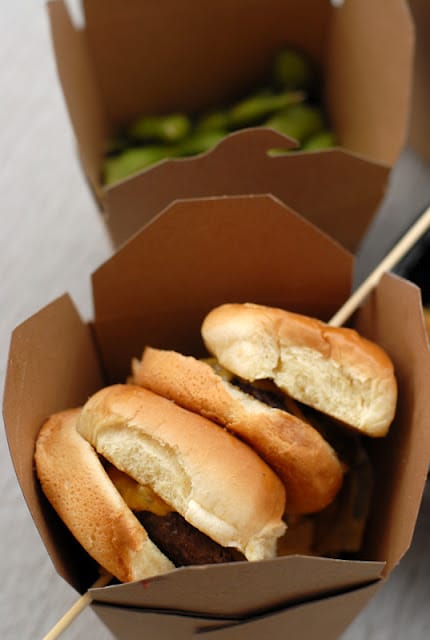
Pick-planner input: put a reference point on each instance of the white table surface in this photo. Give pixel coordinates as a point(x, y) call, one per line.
point(51, 238)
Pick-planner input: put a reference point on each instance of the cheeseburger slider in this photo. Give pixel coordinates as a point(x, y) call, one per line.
point(76, 484)
point(301, 457)
point(326, 387)
point(145, 485)
point(333, 370)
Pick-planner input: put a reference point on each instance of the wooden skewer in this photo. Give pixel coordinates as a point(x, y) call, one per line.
point(395, 255)
point(76, 609)
point(399, 250)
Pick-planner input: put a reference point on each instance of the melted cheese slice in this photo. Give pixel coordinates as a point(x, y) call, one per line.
point(137, 497)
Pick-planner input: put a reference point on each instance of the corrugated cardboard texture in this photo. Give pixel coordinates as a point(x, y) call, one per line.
point(325, 618)
point(324, 187)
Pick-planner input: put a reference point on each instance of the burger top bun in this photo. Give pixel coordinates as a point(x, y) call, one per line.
point(76, 484)
point(305, 462)
point(217, 483)
point(334, 370)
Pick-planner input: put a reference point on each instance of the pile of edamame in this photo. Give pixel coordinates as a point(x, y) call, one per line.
point(289, 103)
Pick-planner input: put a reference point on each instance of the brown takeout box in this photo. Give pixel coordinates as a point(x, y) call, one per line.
point(156, 290)
point(419, 134)
point(158, 57)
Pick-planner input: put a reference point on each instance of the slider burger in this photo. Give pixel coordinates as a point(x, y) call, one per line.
point(308, 466)
point(333, 370)
point(146, 480)
point(260, 350)
point(145, 485)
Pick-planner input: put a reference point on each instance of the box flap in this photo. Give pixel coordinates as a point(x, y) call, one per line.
point(217, 51)
point(256, 587)
point(80, 88)
point(369, 58)
point(200, 253)
point(336, 190)
point(132, 624)
point(324, 618)
point(52, 365)
point(393, 318)
point(419, 134)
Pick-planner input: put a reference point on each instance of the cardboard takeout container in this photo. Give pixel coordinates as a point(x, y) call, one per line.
point(326, 188)
point(158, 57)
point(156, 290)
point(419, 133)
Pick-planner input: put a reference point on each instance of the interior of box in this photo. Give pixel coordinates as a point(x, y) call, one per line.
point(368, 77)
point(393, 318)
point(159, 281)
point(88, 113)
point(124, 63)
point(419, 134)
point(53, 365)
point(146, 57)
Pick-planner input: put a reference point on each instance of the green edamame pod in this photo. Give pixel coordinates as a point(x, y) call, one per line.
point(293, 70)
point(252, 110)
point(117, 143)
point(132, 160)
point(321, 140)
point(168, 128)
point(213, 121)
point(200, 141)
point(298, 122)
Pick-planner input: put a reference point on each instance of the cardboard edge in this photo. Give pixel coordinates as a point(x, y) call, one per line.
point(82, 97)
point(30, 396)
point(419, 133)
point(101, 276)
point(150, 594)
point(331, 614)
point(240, 165)
point(124, 622)
point(409, 482)
point(349, 28)
point(234, 197)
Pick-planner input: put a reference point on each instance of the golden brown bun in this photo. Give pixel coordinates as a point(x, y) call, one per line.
point(76, 484)
point(217, 483)
point(305, 462)
point(334, 370)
